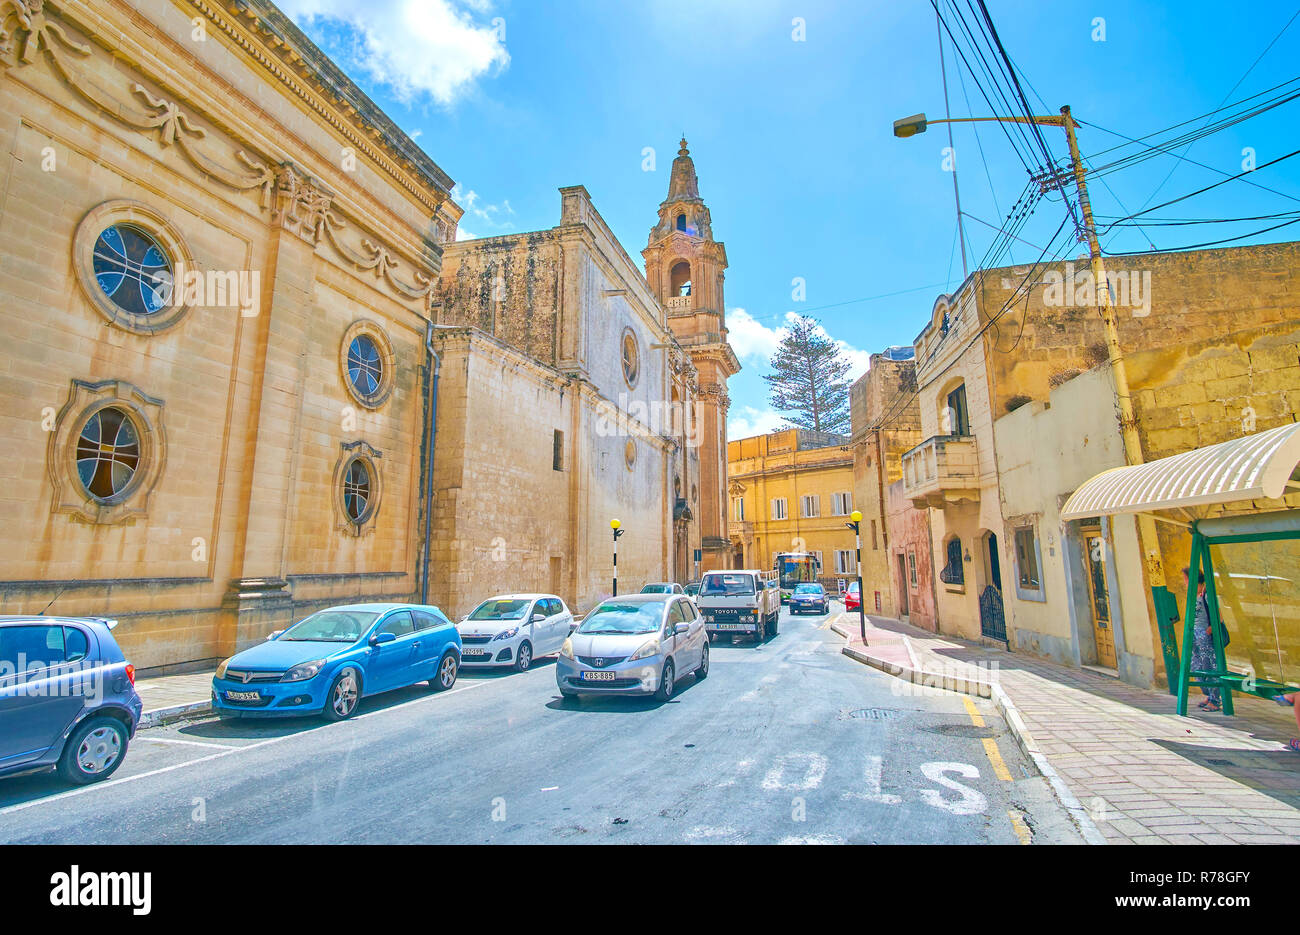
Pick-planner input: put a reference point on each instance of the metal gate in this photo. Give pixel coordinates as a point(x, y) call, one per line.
point(993, 623)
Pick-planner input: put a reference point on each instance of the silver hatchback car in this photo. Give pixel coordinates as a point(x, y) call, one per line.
point(636, 645)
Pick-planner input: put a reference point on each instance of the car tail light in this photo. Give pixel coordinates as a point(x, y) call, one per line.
point(130, 674)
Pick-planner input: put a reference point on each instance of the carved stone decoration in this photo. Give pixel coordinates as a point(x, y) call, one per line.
point(70, 494)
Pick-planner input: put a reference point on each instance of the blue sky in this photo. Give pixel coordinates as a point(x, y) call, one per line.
point(792, 137)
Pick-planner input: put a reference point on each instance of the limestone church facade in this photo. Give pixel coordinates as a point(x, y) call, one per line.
point(248, 371)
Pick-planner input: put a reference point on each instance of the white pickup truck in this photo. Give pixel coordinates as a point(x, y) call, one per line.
point(746, 601)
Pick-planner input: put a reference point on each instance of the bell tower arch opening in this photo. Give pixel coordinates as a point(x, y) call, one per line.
point(684, 267)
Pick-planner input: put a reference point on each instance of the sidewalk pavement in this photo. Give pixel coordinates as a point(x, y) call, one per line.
point(1126, 766)
point(170, 696)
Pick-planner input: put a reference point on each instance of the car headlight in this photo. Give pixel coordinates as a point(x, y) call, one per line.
point(649, 649)
point(221, 669)
point(567, 649)
point(303, 671)
point(507, 634)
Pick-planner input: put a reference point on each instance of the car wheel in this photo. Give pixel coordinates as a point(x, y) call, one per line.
point(524, 657)
point(93, 751)
point(447, 671)
point(666, 682)
point(344, 696)
point(702, 671)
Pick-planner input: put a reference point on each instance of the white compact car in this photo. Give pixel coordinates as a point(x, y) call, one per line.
point(513, 630)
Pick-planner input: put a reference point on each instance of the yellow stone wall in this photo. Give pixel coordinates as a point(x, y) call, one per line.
point(765, 467)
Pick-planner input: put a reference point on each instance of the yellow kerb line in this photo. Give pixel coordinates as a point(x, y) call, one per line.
point(990, 745)
point(1019, 826)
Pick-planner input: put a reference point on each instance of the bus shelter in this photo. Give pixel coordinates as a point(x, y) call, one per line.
point(1250, 561)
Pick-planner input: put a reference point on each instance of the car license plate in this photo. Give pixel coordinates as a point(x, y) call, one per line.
point(473, 652)
point(243, 696)
point(731, 626)
point(598, 676)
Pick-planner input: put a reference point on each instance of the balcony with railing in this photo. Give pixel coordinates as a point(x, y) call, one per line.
point(942, 469)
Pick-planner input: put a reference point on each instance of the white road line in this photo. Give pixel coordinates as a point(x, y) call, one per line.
point(229, 751)
point(193, 743)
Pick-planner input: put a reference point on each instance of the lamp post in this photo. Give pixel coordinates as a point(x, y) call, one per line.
point(911, 126)
point(856, 526)
point(618, 531)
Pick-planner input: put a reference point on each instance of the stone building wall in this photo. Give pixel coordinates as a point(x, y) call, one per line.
point(237, 164)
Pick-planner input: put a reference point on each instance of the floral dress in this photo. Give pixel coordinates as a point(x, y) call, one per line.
point(1203, 658)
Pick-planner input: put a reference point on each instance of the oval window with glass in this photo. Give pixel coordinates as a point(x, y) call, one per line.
point(357, 486)
point(631, 358)
point(132, 270)
point(108, 453)
point(365, 366)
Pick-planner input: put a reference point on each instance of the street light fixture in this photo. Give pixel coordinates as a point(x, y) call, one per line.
point(910, 126)
point(618, 531)
point(856, 526)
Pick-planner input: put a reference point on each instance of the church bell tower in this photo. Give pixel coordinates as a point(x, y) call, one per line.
point(684, 266)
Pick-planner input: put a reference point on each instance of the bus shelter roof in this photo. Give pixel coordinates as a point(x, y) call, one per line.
point(1255, 466)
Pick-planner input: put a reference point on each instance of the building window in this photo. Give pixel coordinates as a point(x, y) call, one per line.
point(681, 222)
point(841, 504)
point(911, 569)
point(957, 414)
point(1028, 576)
point(738, 506)
point(358, 488)
point(811, 506)
point(680, 279)
point(557, 450)
point(108, 453)
point(133, 270)
point(356, 491)
point(953, 573)
point(846, 562)
point(631, 357)
point(126, 257)
point(818, 554)
point(778, 508)
point(367, 363)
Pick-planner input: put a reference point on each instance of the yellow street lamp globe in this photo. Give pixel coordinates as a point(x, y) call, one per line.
point(856, 516)
point(614, 524)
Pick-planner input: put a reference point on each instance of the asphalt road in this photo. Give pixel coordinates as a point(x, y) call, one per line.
point(789, 742)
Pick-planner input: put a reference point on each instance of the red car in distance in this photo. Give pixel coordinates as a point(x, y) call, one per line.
point(852, 597)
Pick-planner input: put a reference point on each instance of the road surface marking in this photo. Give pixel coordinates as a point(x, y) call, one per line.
point(990, 745)
point(192, 743)
point(972, 802)
point(229, 751)
point(995, 759)
point(1018, 824)
point(814, 771)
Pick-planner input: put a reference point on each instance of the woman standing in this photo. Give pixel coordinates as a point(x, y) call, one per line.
point(1203, 658)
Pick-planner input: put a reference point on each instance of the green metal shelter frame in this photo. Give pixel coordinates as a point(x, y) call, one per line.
point(1264, 465)
point(1257, 527)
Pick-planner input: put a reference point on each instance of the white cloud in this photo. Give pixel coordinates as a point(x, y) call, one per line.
point(415, 47)
point(746, 421)
point(491, 215)
point(749, 338)
point(756, 342)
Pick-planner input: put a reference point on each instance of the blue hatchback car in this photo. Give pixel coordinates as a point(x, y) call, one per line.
point(67, 697)
point(326, 663)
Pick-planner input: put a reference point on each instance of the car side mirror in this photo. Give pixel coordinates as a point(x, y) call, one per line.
point(573, 626)
point(382, 638)
point(538, 618)
point(273, 635)
point(682, 628)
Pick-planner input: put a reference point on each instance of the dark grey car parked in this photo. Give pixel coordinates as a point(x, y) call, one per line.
point(67, 697)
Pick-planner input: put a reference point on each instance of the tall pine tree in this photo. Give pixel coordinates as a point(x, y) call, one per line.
point(809, 380)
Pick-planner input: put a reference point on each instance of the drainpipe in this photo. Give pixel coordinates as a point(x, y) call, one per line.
point(433, 365)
